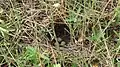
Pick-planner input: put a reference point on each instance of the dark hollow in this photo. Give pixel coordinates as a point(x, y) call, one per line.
point(62, 31)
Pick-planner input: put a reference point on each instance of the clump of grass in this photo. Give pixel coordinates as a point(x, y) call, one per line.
point(25, 23)
point(31, 55)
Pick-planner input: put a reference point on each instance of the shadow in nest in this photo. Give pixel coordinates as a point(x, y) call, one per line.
point(61, 32)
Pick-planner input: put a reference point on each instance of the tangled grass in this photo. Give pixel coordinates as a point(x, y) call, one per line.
point(59, 33)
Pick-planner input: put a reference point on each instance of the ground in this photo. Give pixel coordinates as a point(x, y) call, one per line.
point(60, 33)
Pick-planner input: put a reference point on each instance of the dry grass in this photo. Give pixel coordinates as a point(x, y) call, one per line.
point(59, 33)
